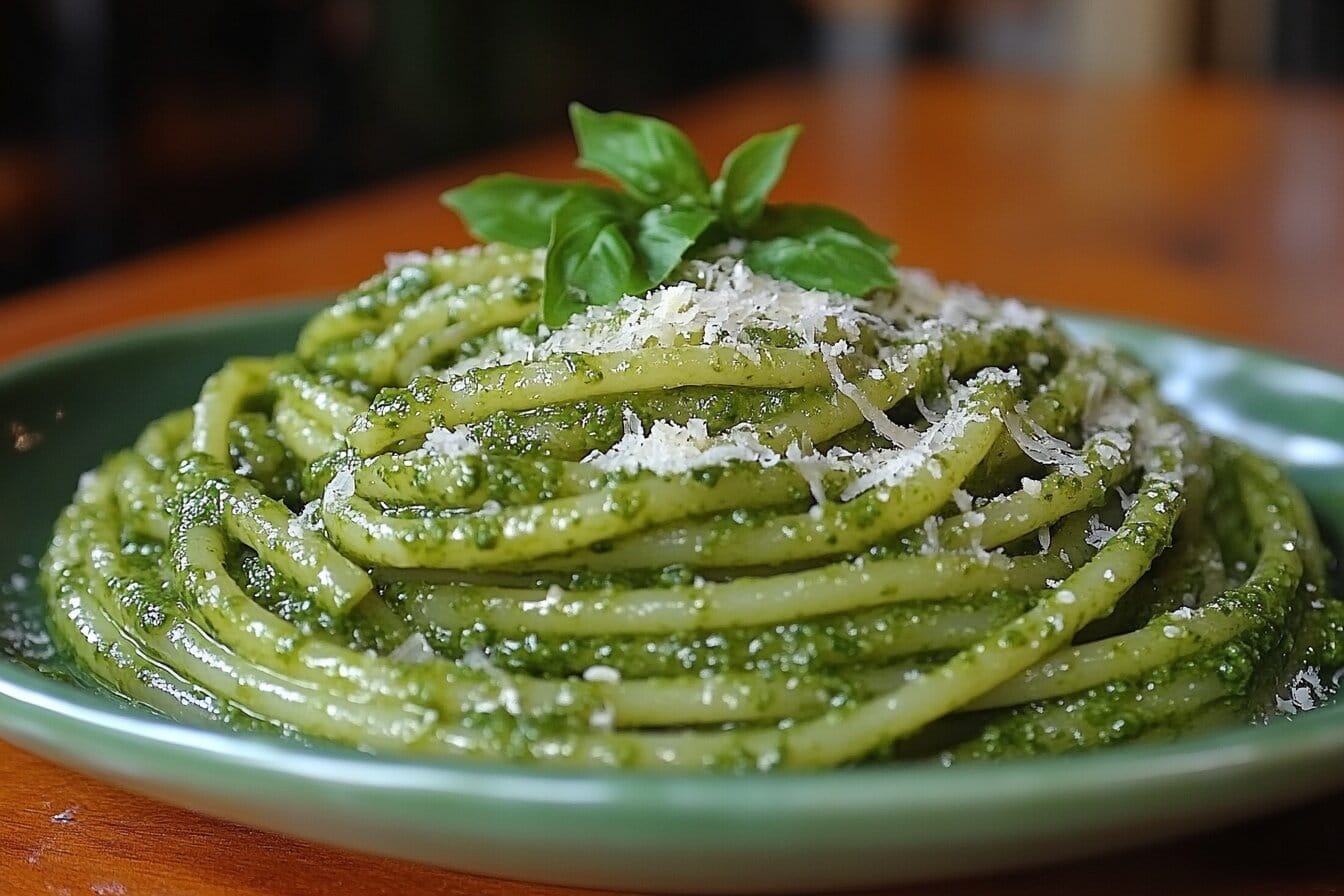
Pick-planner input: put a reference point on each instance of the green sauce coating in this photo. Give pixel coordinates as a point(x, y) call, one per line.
point(934, 529)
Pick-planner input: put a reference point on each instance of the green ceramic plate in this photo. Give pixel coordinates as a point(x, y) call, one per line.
point(787, 832)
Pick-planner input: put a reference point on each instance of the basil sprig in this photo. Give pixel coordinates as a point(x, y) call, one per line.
point(604, 243)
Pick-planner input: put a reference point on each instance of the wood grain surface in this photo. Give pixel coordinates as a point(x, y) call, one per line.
point(1217, 207)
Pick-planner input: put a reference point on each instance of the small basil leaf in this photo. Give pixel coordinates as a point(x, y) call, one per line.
point(588, 261)
point(664, 234)
point(801, 219)
point(589, 199)
point(653, 160)
point(828, 259)
point(508, 208)
point(749, 174)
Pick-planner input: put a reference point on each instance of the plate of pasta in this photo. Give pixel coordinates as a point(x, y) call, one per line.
point(672, 539)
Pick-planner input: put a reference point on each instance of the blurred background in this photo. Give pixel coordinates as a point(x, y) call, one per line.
point(125, 126)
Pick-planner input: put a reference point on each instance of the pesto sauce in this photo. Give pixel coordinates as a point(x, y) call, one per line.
point(525, 461)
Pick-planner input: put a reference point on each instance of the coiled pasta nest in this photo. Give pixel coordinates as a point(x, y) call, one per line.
point(731, 523)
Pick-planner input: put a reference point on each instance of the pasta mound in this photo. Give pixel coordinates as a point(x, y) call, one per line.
point(731, 523)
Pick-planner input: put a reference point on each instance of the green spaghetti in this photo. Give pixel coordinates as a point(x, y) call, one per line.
point(683, 479)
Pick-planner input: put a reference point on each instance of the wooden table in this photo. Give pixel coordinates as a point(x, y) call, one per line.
point(1217, 207)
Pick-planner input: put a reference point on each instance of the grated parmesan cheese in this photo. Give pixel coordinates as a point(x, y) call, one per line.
point(395, 261)
point(477, 660)
point(890, 467)
point(898, 435)
point(455, 442)
point(931, 540)
point(812, 467)
point(668, 448)
point(601, 673)
point(308, 520)
point(339, 490)
point(1098, 533)
point(414, 650)
point(720, 303)
point(723, 302)
point(1040, 445)
point(1306, 691)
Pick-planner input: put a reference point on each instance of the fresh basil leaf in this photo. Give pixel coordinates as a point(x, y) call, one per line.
point(828, 259)
point(608, 268)
point(590, 199)
point(602, 243)
point(801, 219)
point(508, 208)
point(664, 234)
point(589, 261)
point(749, 174)
point(513, 209)
point(653, 160)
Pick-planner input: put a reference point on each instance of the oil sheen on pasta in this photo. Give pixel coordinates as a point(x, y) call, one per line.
point(729, 524)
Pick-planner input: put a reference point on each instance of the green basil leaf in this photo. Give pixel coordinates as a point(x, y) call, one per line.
point(513, 209)
point(664, 233)
point(800, 220)
point(589, 261)
point(749, 174)
point(590, 199)
point(653, 160)
point(828, 259)
point(508, 208)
